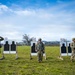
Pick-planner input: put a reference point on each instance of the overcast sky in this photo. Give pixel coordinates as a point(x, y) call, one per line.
point(46, 19)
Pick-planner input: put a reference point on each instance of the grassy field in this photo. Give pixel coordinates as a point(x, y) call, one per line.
point(25, 66)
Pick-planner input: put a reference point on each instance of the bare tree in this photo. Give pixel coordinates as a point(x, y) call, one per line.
point(26, 39)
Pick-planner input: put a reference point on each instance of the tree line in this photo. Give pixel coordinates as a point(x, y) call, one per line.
point(27, 41)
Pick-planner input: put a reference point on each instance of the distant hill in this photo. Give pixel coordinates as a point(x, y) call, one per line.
point(52, 43)
point(47, 43)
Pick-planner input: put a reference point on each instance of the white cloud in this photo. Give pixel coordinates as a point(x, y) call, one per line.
point(4, 9)
point(45, 23)
point(24, 12)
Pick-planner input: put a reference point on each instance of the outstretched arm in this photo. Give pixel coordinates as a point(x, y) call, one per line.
point(1, 38)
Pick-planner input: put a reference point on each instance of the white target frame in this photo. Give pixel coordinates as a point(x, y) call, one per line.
point(9, 51)
point(63, 54)
point(35, 54)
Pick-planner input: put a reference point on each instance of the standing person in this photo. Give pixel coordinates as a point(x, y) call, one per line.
point(40, 49)
point(73, 49)
point(1, 39)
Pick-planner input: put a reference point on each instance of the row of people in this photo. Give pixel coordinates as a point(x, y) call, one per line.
point(40, 48)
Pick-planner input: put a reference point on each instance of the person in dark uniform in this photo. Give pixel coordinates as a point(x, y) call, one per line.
point(1, 39)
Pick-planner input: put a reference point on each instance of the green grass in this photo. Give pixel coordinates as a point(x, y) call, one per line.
point(25, 66)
